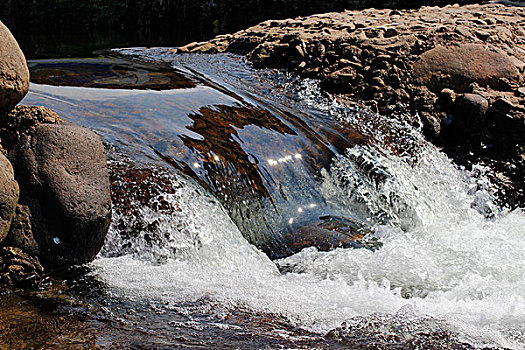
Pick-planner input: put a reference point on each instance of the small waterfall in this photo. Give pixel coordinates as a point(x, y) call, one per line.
point(449, 269)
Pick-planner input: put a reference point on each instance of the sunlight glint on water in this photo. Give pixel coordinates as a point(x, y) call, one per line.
point(447, 253)
point(455, 264)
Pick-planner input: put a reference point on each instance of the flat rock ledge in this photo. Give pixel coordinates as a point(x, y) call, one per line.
point(461, 69)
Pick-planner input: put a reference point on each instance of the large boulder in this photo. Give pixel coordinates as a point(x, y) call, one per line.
point(14, 74)
point(458, 67)
point(8, 195)
point(65, 184)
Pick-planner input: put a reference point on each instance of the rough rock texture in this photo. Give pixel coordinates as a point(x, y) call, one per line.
point(22, 120)
point(14, 74)
point(408, 61)
point(457, 67)
point(21, 231)
point(65, 184)
point(19, 269)
point(391, 56)
point(8, 195)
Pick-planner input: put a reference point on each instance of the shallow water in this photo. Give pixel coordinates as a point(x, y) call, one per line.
point(251, 156)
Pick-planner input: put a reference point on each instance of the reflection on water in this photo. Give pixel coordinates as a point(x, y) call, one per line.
point(51, 320)
point(220, 141)
point(263, 160)
point(260, 161)
point(107, 73)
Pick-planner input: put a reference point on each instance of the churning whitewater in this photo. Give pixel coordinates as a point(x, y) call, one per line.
point(449, 258)
point(451, 263)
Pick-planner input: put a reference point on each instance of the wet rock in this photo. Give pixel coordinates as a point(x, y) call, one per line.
point(328, 233)
point(17, 269)
point(473, 49)
point(458, 67)
point(431, 125)
point(341, 79)
point(472, 108)
point(8, 195)
point(14, 74)
point(64, 182)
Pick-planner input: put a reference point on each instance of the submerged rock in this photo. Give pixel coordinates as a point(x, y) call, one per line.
point(8, 195)
point(14, 77)
point(413, 62)
point(65, 184)
point(328, 233)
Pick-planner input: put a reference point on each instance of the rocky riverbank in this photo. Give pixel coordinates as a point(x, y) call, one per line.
point(55, 205)
point(461, 69)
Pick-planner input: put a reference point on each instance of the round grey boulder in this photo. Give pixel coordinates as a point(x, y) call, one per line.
point(65, 183)
point(14, 74)
point(8, 195)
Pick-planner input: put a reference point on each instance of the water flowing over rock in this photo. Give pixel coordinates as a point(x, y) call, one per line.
point(399, 62)
point(14, 75)
point(64, 182)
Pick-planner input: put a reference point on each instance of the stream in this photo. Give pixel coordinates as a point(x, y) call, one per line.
point(251, 210)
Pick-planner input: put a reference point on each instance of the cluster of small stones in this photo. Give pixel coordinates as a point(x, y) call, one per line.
point(460, 68)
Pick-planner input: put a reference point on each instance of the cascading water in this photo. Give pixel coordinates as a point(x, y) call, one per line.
point(449, 269)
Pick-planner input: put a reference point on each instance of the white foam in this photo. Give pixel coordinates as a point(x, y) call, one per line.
point(447, 253)
point(455, 265)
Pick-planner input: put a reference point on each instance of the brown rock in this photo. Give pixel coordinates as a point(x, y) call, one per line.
point(447, 98)
point(520, 65)
point(471, 108)
point(341, 78)
point(14, 74)
point(481, 34)
point(21, 120)
point(391, 32)
point(65, 183)
point(503, 105)
point(18, 269)
point(458, 67)
point(8, 195)
point(21, 231)
point(465, 31)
